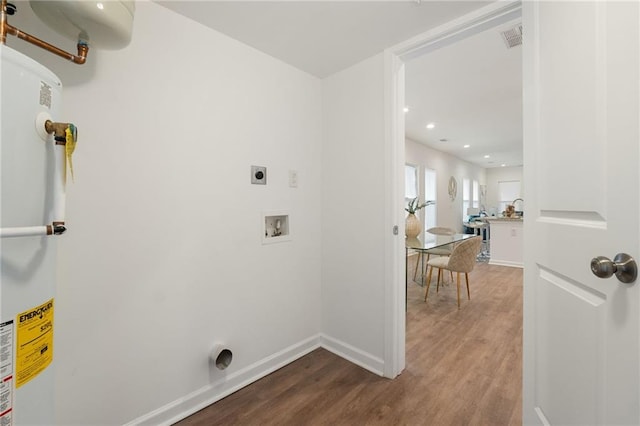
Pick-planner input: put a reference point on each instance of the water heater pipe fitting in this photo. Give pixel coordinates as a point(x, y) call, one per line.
point(59, 190)
point(57, 226)
point(5, 28)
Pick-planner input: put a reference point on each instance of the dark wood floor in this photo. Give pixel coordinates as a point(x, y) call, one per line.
point(463, 368)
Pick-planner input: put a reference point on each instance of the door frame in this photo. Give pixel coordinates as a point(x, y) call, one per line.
point(394, 62)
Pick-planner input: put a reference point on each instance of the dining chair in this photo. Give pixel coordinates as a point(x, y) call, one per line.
point(462, 259)
point(438, 251)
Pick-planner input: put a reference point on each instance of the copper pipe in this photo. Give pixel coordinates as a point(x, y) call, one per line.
point(3, 22)
point(80, 58)
point(5, 29)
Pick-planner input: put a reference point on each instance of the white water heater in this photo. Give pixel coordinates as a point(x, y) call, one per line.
point(28, 268)
point(104, 24)
point(35, 150)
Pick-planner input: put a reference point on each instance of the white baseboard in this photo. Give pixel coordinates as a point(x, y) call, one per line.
point(355, 355)
point(207, 395)
point(506, 263)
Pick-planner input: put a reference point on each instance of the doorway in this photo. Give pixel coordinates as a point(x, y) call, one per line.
point(396, 60)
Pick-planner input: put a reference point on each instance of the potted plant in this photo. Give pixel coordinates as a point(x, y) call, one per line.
point(413, 227)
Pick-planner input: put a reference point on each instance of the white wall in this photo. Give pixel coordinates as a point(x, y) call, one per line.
point(501, 174)
point(353, 207)
point(449, 213)
point(163, 256)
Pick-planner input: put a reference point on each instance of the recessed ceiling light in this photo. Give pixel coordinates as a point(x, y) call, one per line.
point(503, 165)
point(466, 146)
point(487, 156)
point(406, 109)
point(430, 126)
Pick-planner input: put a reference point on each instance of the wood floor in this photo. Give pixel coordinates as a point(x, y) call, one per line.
point(463, 368)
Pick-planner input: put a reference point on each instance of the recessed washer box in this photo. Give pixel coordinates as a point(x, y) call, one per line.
point(276, 227)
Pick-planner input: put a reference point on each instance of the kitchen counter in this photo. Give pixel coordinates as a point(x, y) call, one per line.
point(502, 219)
point(506, 241)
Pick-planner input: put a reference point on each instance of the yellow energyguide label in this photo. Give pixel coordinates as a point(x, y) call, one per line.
point(34, 349)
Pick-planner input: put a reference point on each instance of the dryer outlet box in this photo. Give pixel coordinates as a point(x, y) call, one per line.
point(258, 175)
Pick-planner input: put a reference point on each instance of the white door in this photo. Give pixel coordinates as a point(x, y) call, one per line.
point(581, 109)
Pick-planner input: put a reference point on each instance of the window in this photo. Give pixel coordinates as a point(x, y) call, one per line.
point(476, 194)
point(430, 194)
point(466, 197)
point(508, 191)
point(410, 182)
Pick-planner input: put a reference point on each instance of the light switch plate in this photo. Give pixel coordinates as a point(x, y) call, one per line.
point(293, 178)
point(258, 175)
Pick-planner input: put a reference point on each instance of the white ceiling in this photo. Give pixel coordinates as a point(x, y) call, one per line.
point(322, 37)
point(471, 90)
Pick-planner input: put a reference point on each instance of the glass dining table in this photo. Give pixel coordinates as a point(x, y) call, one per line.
point(422, 246)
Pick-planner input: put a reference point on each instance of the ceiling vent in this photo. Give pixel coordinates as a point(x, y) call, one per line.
point(513, 36)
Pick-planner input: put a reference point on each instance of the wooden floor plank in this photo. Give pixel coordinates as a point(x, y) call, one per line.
point(463, 367)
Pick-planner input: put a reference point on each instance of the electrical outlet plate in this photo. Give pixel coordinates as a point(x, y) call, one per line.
point(258, 175)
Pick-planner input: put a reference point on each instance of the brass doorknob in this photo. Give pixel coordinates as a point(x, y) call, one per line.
point(623, 266)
